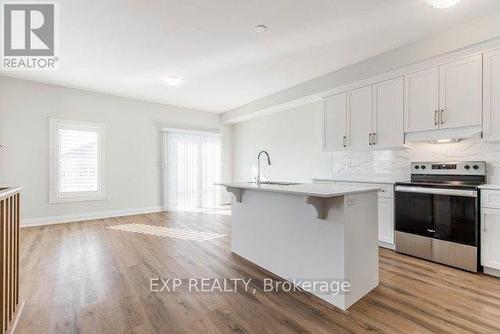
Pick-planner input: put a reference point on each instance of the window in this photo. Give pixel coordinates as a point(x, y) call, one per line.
point(76, 161)
point(193, 166)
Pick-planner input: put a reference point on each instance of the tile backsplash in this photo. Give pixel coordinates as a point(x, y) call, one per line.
point(396, 163)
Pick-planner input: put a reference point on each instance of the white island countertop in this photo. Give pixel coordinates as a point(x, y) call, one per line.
point(306, 189)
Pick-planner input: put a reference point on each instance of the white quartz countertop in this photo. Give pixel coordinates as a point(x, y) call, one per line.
point(362, 179)
point(490, 186)
point(306, 189)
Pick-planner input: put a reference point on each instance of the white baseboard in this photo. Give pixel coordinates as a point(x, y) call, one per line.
point(40, 221)
point(386, 245)
point(491, 271)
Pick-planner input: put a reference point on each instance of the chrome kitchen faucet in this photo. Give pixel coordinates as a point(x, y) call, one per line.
point(258, 164)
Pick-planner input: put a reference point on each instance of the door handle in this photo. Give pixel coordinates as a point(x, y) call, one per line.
point(374, 138)
point(370, 139)
point(431, 230)
point(436, 117)
point(344, 141)
point(442, 116)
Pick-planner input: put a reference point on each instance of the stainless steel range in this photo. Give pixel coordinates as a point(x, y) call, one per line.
point(437, 213)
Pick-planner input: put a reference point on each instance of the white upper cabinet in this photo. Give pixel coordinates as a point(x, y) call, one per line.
point(445, 96)
point(359, 106)
point(365, 118)
point(460, 93)
point(491, 97)
point(335, 122)
point(388, 113)
point(421, 100)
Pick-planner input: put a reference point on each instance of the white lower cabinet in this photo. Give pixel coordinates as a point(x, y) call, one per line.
point(386, 220)
point(490, 231)
point(490, 238)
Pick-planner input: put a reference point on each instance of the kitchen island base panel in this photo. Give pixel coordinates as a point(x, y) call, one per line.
point(280, 233)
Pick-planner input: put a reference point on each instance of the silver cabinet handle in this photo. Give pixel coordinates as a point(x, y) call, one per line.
point(344, 141)
point(431, 230)
point(374, 138)
point(436, 117)
point(442, 116)
point(370, 139)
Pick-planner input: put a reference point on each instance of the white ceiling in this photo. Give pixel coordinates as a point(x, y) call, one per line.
point(124, 47)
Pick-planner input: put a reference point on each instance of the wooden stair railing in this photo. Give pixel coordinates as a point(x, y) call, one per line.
point(10, 307)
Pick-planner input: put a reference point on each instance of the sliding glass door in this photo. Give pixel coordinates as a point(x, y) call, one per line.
point(192, 166)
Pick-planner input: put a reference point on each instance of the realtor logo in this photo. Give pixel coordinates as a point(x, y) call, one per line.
point(30, 31)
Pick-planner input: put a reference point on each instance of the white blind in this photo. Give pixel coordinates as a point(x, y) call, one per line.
point(193, 166)
point(78, 161)
point(76, 166)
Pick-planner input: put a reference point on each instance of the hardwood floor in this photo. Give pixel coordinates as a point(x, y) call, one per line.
point(86, 278)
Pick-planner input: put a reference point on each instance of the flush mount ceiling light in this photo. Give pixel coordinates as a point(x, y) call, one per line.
point(172, 81)
point(442, 3)
point(260, 28)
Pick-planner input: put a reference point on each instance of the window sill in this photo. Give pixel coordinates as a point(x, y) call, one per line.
point(76, 199)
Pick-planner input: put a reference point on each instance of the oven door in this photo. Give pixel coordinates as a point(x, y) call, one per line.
point(446, 214)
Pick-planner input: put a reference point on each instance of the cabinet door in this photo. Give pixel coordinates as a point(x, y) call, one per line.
point(386, 220)
point(360, 106)
point(460, 92)
point(388, 113)
point(491, 100)
point(490, 235)
point(335, 122)
point(421, 100)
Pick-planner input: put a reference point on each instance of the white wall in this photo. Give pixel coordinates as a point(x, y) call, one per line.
point(133, 145)
point(293, 140)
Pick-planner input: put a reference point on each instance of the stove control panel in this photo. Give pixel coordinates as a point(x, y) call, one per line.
point(449, 168)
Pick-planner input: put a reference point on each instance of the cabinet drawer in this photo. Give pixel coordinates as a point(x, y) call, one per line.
point(490, 199)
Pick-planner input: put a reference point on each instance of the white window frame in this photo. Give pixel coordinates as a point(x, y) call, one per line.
point(55, 196)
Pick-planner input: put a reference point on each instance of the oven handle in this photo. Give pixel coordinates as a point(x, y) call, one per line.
point(437, 191)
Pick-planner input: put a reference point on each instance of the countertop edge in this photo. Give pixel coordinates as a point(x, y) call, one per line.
point(328, 179)
point(302, 193)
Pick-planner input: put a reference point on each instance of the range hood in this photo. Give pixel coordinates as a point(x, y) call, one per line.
point(444, 134)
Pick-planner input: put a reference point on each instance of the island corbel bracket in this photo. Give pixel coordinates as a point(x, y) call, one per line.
point(321, 204)
point(237, 192)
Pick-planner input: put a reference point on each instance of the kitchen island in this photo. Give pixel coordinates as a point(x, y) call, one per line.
point(307, 233)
